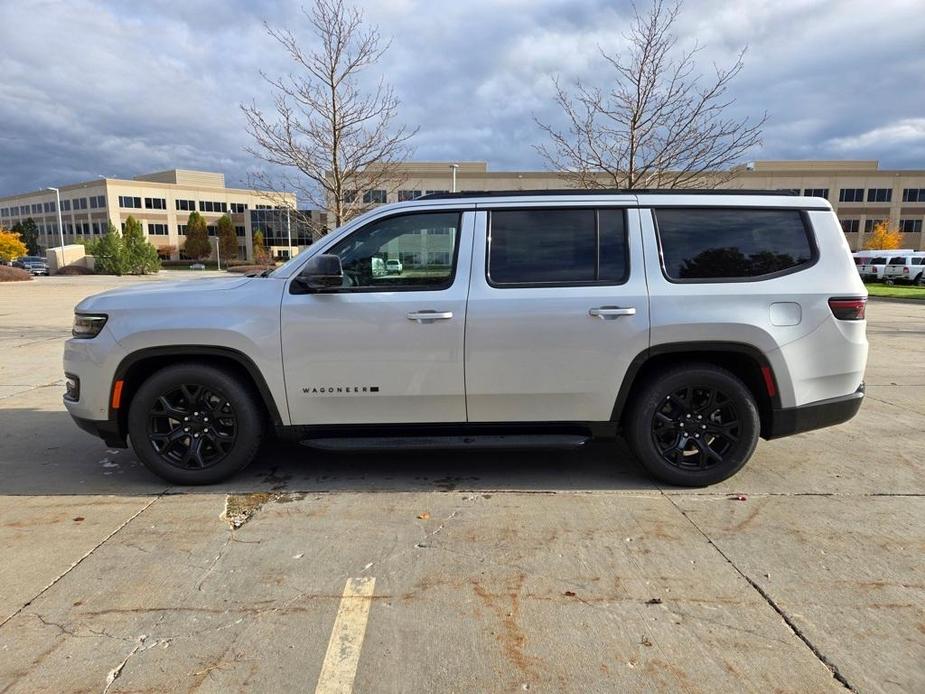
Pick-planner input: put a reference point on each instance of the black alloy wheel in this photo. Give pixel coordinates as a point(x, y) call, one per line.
point(695, 427)
point(192, 426)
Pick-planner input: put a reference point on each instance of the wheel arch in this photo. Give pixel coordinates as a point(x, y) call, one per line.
point(745, 361)
point(135, 367)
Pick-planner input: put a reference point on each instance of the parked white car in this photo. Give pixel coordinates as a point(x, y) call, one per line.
point(905, 268)
point(692, 323)
point(393, 266)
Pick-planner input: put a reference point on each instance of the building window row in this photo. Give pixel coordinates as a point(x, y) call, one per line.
point(879, 194)
point(155, 204)
point(871, 223)
point(374, 197)
point(406, 195)
point(97, 201)
point(914, 195)
point(129, 202)
point(186, 205)
point(910, 226)
point(157, 229)
point(851, 195)
point(238, 207)
point(850, 226)
point(816, 192)
point(209, 206)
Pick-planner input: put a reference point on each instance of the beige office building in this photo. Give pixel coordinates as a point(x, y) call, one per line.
point(162, 202)
point(861, 193)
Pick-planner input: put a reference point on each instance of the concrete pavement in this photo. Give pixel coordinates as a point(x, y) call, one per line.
point(493, 572)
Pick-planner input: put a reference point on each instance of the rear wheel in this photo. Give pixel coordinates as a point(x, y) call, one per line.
point(920, 280)
point(194, 424)
point(694, 425)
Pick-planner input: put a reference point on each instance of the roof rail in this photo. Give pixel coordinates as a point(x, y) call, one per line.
point(601, 191)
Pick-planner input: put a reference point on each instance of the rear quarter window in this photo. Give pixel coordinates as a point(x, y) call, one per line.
point(727, 244)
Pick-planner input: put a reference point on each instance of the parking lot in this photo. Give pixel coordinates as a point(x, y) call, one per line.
point(452, 572)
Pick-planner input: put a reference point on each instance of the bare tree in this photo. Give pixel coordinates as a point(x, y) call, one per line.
point(660, 124)
point(332, 139)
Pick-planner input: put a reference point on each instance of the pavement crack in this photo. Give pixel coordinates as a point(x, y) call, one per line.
point(214, 562)
point(79, 561)
point(139, 647)
point(820, 656)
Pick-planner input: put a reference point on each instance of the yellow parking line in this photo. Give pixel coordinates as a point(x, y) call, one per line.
point(340, 662)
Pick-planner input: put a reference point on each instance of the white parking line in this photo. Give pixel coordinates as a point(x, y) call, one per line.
point(340, 662)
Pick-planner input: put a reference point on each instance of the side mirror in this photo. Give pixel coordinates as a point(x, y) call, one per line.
point(321, 272)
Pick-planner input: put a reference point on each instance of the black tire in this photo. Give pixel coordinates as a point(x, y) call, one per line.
point(920, 280)
point(676, 401)
point(190, 400)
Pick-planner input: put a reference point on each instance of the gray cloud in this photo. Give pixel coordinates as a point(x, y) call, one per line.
point(90, 87)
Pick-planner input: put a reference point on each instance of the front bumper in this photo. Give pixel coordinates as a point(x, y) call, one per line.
point(108, 430)
point(816, 415)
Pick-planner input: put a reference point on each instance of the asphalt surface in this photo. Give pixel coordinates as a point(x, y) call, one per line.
point(458, 572)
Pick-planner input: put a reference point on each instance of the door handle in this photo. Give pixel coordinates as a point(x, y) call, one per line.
point(611, 312)
point(429, 315)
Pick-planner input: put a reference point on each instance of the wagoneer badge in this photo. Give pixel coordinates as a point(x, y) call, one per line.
point(338, 390)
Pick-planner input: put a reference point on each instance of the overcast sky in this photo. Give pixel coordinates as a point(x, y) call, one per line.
point(90, 88)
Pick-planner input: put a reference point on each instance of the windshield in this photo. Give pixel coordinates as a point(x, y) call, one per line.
point(878, 261)
point(898, 261)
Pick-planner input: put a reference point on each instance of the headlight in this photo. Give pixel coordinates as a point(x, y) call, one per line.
point(87, 325)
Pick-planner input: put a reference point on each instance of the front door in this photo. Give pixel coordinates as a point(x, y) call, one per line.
point(386, 347)
point(557, 311)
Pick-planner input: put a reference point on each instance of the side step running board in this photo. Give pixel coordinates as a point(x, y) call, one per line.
point(415, 443)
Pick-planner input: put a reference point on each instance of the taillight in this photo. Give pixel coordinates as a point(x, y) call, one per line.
point(851, 308)
point(905, 271)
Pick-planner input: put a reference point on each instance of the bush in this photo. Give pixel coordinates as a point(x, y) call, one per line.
point(109, 252)
point(140, 256)
point(14, 274)
point(118, 254)
point(71, 270)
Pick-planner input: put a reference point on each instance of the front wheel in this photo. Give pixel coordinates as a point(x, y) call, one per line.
point(194, 424)
point(694, 425)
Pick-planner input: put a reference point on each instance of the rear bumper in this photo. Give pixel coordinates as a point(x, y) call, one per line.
point(816, 415)
point(108, 430)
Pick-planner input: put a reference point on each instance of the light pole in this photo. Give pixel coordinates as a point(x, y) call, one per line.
point(454, 167)
point(218, 252)
point(60, 222)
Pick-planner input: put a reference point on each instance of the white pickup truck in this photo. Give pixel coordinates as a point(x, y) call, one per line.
point(909, 268)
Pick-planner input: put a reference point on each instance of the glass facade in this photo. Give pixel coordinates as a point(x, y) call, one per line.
point(273, 225)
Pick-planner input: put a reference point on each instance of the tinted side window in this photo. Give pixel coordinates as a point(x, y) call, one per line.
point(731, 243)
point(548, 246)
point(413, 251)
point(899, 260)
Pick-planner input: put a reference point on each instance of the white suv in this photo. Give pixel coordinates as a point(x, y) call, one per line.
point(693, 323)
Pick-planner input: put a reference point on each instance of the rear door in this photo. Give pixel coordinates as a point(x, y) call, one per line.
point(557, 311)
point(386, 347)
